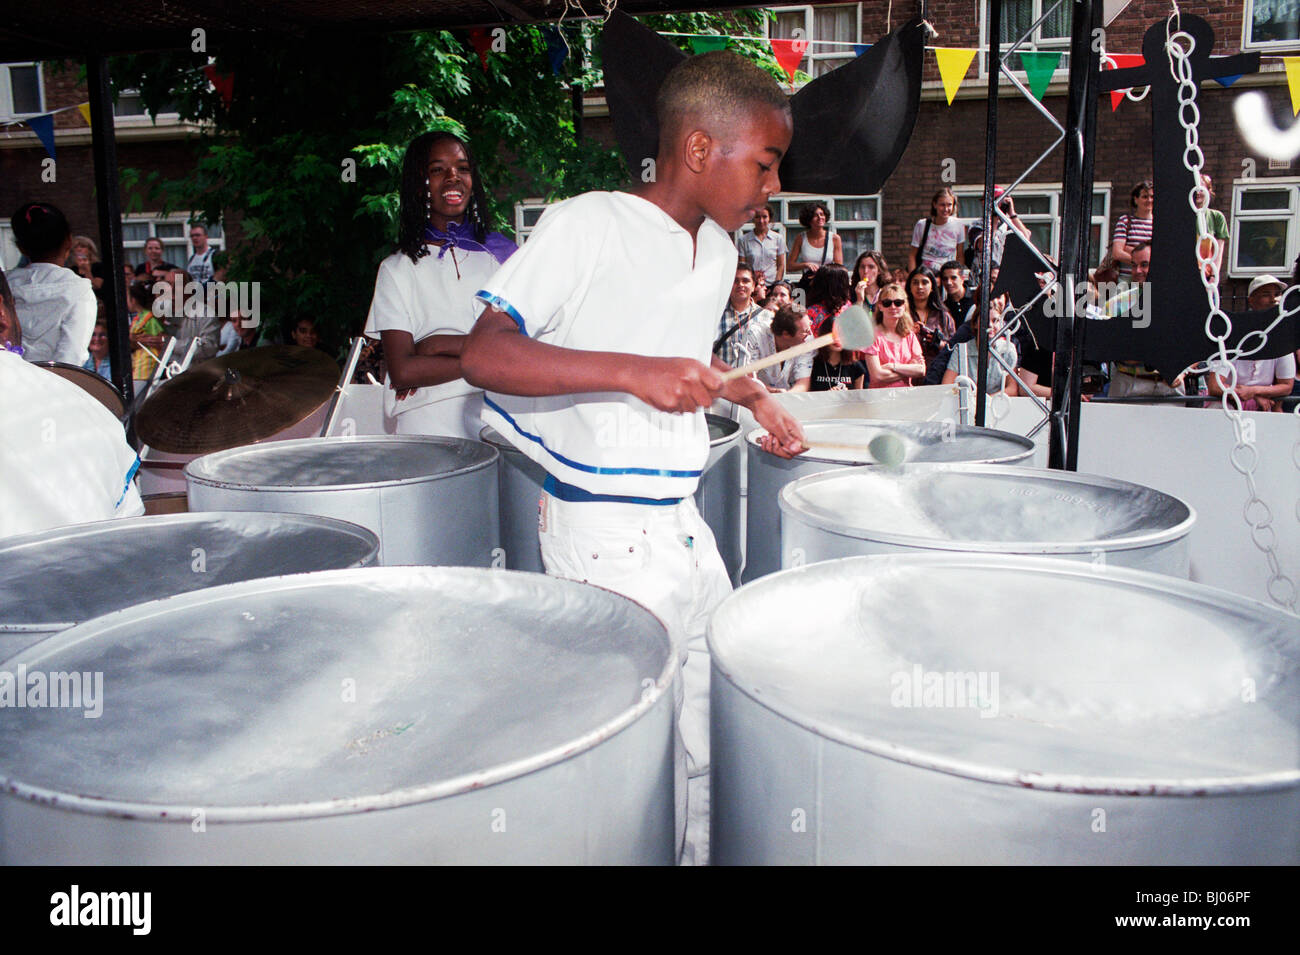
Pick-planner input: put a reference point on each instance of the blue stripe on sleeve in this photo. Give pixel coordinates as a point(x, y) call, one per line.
point(501, 305)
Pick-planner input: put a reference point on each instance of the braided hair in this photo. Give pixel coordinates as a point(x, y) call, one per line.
point(413, 211)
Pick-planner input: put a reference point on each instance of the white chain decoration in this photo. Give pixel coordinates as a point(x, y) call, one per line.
point(1244, 456)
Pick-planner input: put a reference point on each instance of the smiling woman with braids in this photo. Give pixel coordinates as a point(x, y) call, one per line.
point(424, 295)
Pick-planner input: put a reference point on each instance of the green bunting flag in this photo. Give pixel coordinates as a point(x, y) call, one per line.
point(1039, 68)
point(704, 44)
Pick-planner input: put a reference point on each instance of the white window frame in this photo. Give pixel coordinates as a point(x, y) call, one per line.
point(133, 249)
point(1291, 216)
point(143, 117)
point(7, 93)
point(522, 232)
point(9, 254)
point(786, 221)
point(1272, 46)
point(1053, 192)
point(816, 51)
point(1035, 44)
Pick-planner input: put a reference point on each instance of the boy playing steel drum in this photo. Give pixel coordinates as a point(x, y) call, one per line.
point(602, 378)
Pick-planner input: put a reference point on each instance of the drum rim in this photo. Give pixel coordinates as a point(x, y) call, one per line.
point(919, 758)
point(1127, 542)
point(119, 413)
point(147, 524)
point(1027, 446)
point(198, 471)
point(660, 694)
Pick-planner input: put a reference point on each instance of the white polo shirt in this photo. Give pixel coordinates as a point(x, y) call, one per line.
point(580, 283)
point(63, 457)
point(433, 296)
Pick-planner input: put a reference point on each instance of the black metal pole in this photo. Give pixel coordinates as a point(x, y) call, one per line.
point(104, 150)
point(1076, 234)
point(990, 174)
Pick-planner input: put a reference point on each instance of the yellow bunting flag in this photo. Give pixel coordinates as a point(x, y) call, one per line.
point(1293, 81)
point(953, 64)
point(84, 109)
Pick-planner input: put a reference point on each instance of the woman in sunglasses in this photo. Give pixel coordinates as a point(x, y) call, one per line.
point(894, 358)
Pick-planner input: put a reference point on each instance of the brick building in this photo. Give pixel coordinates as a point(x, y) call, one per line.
point(1262, 201)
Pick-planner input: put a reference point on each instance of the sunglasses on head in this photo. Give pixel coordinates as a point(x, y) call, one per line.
point(897, 302)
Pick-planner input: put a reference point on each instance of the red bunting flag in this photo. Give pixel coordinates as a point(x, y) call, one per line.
point(223, 83)
point(481, 41)
point(1121, 61)
point(789, 53)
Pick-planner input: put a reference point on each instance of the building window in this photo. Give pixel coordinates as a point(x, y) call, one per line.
point(174, 231)
point(22, 90)
point(1039, 208)
point(855, 219)
point(1265, 237)
point(1271, 25)
point(841, 24)
point(1053, 34)
point(129, 104)
point(526, 215)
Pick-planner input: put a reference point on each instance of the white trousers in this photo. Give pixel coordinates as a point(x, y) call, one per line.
point(665, 558)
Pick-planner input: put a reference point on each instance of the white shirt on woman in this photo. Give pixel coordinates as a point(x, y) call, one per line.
point(434, 296)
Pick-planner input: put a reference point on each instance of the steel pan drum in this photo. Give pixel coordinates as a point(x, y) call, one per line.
point(1029, 711)
point(88, 381)
point(520, 488)
point(926, 442)
point(987, 509)
point(718, 496)
point(431, 500)
point(383, 715)
point(54, 579)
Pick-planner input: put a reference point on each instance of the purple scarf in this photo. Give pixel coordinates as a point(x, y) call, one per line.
point(460, 235)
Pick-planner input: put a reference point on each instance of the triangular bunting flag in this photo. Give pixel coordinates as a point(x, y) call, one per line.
point(84, 109)
point(43, 127)
point(860, 48)
point(223, 83)
point(1226, 81)
point(1122, 61)
point(1039, 68)
point(1293, 81)
point(705, 44)
point(789, 54)
point(557, 51)
point(481, 41)
point(953, 64)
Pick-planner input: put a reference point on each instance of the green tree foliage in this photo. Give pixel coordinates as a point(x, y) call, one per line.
point(277, 157)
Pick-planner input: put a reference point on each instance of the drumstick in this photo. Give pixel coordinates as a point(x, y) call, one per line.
point(854, 331)
point(888, 449)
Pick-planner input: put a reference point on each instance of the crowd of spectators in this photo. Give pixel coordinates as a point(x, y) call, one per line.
point(62, 299)
point(939, 290)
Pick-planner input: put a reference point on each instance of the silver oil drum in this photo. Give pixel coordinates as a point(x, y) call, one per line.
point(519, 481)
point(924, 441)
point(54, 579)
point(431, 500)
point(388, 715)
point(718, 495)
point(1032, 711)
point(985, 509)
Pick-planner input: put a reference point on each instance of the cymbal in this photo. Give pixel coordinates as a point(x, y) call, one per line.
point(237, 399)
point(89, 382)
